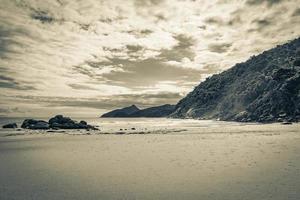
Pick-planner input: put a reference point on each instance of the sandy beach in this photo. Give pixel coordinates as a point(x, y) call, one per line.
point(204, 160)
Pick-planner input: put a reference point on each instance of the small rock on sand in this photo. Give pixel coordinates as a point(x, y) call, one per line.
point(11, 125)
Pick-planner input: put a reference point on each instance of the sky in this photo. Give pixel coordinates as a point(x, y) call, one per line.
point(85, 57)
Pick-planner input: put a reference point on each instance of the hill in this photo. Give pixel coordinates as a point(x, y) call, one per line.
point(133, 111)
point(123, 112)
point(265, 88)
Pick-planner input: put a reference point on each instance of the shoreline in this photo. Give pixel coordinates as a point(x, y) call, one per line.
point(219, 162)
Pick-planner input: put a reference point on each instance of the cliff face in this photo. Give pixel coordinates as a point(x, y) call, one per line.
point(264, 89)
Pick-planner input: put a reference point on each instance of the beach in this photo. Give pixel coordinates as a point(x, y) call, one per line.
point(158, 159)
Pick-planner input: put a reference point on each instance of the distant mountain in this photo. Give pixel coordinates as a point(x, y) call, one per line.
point(265, 88)
point(123, 112)
point(133, 111)
point(158, 111)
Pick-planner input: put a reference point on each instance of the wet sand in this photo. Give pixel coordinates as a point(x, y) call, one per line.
point(249, 162)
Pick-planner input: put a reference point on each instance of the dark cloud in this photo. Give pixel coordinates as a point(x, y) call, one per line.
point(296, 12)
point(160, 17)
point(148, 72)
point(6, 39)
point(145, 72)
point(134, 48)
point(140, 33)
point(42, 16)
point(216, 20)
point(182, 50)
point(258, 2)
point(80, 87)
point(80, 69)
point(235, 20)
point(261, 24)
point(84, 27)
point(7, 82)
point(148, 2)
point(219, 47)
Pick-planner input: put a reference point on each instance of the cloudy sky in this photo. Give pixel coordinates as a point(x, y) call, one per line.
point(84, 57)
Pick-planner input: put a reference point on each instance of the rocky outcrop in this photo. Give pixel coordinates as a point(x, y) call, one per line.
point(266, 88)
point(61, 122)
point(11, 125)
point(123, 112)
point(133, 111)
point(57, 122)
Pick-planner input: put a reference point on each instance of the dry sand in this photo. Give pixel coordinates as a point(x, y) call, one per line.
point(223, 162)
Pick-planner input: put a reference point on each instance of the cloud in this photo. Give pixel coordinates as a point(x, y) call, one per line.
point(146, 3)
point(258, 2)
point(183, 49)
point(214, 20)
point(219, 47)
point(296, 12)
point(77, 49)
point(42, 16)
point(7, 82)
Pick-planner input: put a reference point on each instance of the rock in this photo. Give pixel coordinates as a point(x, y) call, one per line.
point(83, 122)
point(35, 124)
point(11, 125)
point(28, 122)
point(57, 122)
point(90, 127)
point(280, 119)
point(286, 123)
point(60, 119)
point(40, 125)
point(61, 122)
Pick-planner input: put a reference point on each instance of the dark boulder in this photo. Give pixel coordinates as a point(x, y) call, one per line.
point(61, 122)
point(35, 124)
point(28, 122)
point(11, 125)
point(83, 122)
point(60, 119)
point(41, 125)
